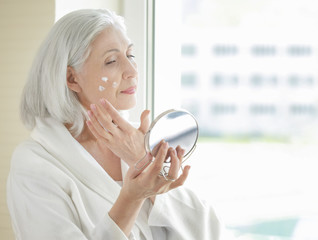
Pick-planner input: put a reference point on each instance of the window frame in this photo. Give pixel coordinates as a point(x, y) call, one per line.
point(141, 30)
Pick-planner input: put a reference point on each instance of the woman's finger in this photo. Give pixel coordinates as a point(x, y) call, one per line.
point(174, 165)
point(180, 153)
point(156, 148)
point(104, 112)
point(156, 167)
point(96, 128)
point(115, 116)
point(183, 177)
point(144, 121)
point(92, 129)
point(103, 120)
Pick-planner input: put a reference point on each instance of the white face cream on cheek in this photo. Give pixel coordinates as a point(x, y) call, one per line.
point(104, 79)
point(114, 85)
point(101, 88)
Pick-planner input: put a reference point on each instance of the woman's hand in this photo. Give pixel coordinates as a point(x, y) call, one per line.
point(115, 133)
point(142, 184)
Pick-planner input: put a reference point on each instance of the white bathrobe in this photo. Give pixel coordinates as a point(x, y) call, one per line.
point(56, 190)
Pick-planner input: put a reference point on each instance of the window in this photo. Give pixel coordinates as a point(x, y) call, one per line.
point(263, 80)
point(260, 50)
point(188, 80)
point(219, 79)
point(223, 109)
point(188, 50)
point(262, 109)
point(303, 109)
point(256, 103)
point(223, 50)
point(299, 50)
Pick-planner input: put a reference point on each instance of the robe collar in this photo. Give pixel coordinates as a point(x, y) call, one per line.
point(58, 141)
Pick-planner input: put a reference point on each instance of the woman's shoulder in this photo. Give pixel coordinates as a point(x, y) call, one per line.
point(29, 155)
point(27, 148)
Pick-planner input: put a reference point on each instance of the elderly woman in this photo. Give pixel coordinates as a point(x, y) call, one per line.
point(75, 178)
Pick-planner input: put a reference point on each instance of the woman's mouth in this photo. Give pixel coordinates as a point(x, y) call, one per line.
point(131, 90)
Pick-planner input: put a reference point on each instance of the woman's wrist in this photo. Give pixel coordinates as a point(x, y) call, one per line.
point(126, 197)
point(125, 211)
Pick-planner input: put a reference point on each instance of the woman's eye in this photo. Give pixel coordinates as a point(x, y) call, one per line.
point(110, 62)
point(131, 56)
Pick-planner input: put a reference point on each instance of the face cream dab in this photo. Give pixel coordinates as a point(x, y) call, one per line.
point(101, 88)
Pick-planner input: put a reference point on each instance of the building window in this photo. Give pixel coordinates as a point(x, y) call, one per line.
point(263, 109)
point(296, 80)
point(260, 80)
point(256, 80)
point(263, 50)
point(188, 80)
point(219, 79)
point(303, 109)
point(225, 50)
point(299, 50)
point(188, 50)
point(223, 109)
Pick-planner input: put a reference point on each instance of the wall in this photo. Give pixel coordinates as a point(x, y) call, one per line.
point(23, 26)
point(62, 7)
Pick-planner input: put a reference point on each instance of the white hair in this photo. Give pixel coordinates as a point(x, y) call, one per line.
point(46, 93)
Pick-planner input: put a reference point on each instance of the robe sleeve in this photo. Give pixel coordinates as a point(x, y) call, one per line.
point(184, 216)
point(112, 231)
point(40, 202)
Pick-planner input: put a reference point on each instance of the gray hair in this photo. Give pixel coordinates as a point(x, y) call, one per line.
point(46, 93)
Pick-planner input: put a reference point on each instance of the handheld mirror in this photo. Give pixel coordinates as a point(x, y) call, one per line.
point(177, 128)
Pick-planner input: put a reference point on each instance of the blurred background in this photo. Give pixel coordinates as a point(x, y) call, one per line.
point(247, 70)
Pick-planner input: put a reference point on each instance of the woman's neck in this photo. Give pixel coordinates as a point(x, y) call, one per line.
point(110, 162)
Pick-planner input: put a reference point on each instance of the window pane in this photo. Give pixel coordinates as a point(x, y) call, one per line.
point(248, 71)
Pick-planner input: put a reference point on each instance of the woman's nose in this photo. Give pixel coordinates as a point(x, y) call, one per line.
point(130, 70)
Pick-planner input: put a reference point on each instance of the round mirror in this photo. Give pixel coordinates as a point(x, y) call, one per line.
point(177, 127)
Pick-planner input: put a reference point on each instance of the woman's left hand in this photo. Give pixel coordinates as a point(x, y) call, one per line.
point(115, 133)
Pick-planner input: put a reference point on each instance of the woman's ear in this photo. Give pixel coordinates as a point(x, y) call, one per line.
point(72, 80)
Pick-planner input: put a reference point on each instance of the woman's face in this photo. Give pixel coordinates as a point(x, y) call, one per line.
point(109, 72)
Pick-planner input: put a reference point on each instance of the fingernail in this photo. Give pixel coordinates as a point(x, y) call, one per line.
point(93, 107)
point(174, 152)
point(102, 101)
point(90, 113)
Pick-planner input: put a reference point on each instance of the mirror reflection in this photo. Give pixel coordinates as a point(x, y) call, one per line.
point(177, 127)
